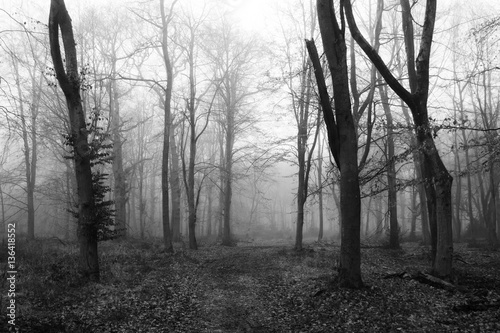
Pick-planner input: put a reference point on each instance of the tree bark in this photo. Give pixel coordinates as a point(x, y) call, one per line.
point(342, 141)
point(69, 81)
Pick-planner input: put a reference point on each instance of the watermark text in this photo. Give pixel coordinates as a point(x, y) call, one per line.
point(11, 276)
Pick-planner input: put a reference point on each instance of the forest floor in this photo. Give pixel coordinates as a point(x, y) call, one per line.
point(252, 287)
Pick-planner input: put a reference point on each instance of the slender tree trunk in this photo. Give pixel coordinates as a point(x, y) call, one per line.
point(301, 109)
point(228, 175)
point(391, 173)
point(320, 186)
point(221, 193)
point(152, 197)
point(300, 203)
point(209, 210)
point(301, 195)
point(120, 187)
point(142, 201)
point(29, 152)
point(70, 84)
point(367, 220)
point(492, 235)
point(176, 189)
point(414, 215)
point(458, 193)
point(190, 190)
point(167, 235)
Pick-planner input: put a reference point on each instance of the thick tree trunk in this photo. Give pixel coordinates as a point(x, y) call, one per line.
point(343, 142)
point(438, 182)
point(70, 84)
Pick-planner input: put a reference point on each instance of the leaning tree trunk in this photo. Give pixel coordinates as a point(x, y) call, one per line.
point(69, 81)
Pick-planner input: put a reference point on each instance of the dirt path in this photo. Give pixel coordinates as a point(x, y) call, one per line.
point(234, 294)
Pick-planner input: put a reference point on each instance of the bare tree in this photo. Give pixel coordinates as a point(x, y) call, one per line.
point(197, 120)
point(297, 77)
point(69, 81)
point(435, 173)
point(233, 61)
point(342, 137)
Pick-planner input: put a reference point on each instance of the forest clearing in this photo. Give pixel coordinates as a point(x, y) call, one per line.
point(252, 287)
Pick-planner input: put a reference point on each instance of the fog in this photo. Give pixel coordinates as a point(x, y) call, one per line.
point(259, 45)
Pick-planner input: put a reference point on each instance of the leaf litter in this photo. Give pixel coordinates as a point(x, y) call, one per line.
point(257, 287)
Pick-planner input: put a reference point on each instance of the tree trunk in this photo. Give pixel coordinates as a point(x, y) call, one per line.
point(320, 187)
point(301, 109)
point(30, 153)
point(391, 173)
point(176, 189)
point(492, 235)
point(300, 200)
point(209, 210)
point(120, 187)
point(458, 192)
point(342, 140)
point(70, 84)
point(192, 158)
point(228, 176)
point(152, 196)
point(414, 215)
point(167, 235)
point(142, 200)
